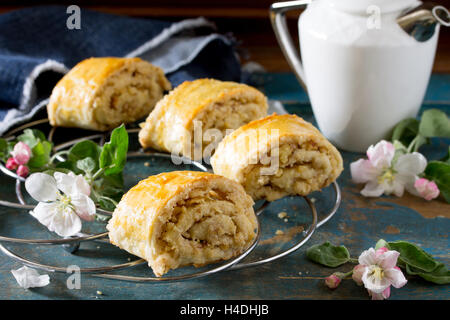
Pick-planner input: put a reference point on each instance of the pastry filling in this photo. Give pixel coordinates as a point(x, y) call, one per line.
point(203, 229)
point(129, 95)
point(219, 120)
point(300, 172)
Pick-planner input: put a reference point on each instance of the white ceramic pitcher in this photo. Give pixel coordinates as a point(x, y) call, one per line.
point(365, 63)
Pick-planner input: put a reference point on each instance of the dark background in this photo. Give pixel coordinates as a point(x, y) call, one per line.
point(247, 19)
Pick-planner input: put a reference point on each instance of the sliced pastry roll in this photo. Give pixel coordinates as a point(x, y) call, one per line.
point(277, 156)
point(181, 218)
point(102, 93)
point(195, 116)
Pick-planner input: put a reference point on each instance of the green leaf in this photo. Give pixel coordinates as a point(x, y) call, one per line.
point(85, 149)
point(114, 153)
point(405, 131)
point(381, 243)
point(32, 137)
point(328, 255)
point(434, 123)
point(4, 151)
point(446, 159)
point(440, 275)
point(68, 165)
point(439, 172)
point(414, 256)
point(53, 170)
point(40, 154)
point(87, 165)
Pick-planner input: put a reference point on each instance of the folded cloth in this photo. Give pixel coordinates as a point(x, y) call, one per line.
point(37, 47)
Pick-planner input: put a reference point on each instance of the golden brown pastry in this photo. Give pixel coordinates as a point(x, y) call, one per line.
point(102, 93)
point(181, 218)
point(203, 104)
point(277, 156)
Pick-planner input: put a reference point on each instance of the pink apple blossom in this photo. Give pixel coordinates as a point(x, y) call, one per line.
point(383, 174)
point(21, 153)
point(377, 270)
point(11, 164)
point(22, 171)
point(332, 281)
point(427, 189)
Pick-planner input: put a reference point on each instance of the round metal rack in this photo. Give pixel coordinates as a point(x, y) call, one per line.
point(72, 244)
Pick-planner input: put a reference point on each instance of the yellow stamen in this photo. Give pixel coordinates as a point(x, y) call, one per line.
point(388, 176)
point(377, 272)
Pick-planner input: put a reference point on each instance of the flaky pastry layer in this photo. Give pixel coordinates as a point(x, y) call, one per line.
point(183, 218)
point(204, 104)
point(102, 93)
point(277, 156)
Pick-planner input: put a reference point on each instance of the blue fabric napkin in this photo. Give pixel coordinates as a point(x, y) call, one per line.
point(37, 48)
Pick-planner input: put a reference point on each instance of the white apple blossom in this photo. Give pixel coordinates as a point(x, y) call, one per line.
point(382, 174)
point(30, 278)
point(63, 200)
point(377, 270)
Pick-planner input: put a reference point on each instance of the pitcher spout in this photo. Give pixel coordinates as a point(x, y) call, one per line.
point(420, 22)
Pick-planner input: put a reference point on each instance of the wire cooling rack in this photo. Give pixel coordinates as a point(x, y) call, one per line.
point(73, 243)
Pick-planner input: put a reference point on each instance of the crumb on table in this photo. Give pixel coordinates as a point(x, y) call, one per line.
point(282, 215)
point(279, 232)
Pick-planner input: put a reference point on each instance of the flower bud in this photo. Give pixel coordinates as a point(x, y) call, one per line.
point(22, 171)
point(427, 189)
point(358, 272)
point(11, 164)
point(381, 250)
point(332, 281)
point(21, 153)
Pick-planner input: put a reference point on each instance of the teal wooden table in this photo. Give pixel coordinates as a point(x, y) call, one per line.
point(358, 224)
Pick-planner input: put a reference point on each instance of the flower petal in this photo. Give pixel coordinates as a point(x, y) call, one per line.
point(396, 277)
point(410, 164)
point(358, 271)
point(84, 207)
point(363, 171)
point(368, 257)
point(57, 218)
point(375, 296)
point(42, 187)
point(72, 184)
point(30, 278)
point(82, 186)
point(65, 182)
point(388, 259)
point(380, 296)
point(396, 187)
point(381, 154)
point(372, 189)
point(372, 282)
point(21, 153)
point(426, 189)
point(386, 293)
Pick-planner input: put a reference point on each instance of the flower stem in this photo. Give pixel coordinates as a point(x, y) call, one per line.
point(343, 275)
point(97, 174)
point(108, 199)
point(57, 155)
point(412, 146)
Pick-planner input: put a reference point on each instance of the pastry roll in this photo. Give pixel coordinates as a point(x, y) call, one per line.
point(181, 218)
point(102, 93)
point(277, 156)
point(209, 106)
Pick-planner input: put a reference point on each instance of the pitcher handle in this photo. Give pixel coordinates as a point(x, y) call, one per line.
point(278, 19)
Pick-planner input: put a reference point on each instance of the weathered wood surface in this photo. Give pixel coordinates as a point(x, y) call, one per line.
point(358, 224)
